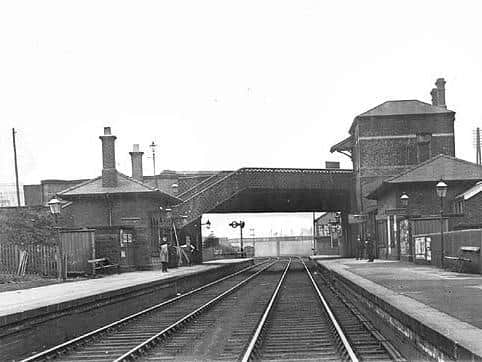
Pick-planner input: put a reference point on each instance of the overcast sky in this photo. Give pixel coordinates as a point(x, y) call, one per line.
point(260, 225)
point(221, 84)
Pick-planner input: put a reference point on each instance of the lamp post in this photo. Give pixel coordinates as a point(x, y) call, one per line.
point(241, 225)
point(55, 206)
point(441, 189)
point(404, 201)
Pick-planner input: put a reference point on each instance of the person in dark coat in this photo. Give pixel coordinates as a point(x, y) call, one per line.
point(370, 246)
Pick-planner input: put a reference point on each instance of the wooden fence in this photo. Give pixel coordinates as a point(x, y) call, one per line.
point(29, 259)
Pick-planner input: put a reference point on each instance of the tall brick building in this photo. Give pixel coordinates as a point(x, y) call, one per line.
point(392, 137)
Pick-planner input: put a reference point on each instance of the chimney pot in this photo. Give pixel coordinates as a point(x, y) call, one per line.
point(107, 131)
point(332, 164)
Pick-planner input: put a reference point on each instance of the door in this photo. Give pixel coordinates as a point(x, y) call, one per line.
point(126, 238)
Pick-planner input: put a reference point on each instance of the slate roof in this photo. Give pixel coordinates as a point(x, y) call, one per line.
point(125, 185)
point(400, 107)
point(442, 166)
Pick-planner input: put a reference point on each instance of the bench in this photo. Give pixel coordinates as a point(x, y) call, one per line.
point(102, 264)
point(464, 261)
point(458, 261)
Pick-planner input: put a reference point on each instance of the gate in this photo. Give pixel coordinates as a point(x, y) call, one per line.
point(78, 246)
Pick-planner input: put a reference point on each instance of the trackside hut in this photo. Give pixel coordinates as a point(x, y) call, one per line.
point(124, 211)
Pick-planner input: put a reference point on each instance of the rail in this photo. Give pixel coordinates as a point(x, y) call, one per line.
point(333, 320)
point(250, 351)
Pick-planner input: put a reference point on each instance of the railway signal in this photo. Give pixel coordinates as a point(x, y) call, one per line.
point(241, 224)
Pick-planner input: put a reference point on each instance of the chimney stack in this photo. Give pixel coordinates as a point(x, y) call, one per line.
point(332, 164)
point(136, 158)
point(109, 173)
point(438, 94)
point(440, 83)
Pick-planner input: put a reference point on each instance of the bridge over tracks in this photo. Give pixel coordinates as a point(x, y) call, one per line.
point(269, 190)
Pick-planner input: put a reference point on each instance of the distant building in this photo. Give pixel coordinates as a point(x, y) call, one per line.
point(41, 194)
point(328, 233)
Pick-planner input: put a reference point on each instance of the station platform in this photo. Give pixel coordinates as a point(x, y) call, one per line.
point(447, 303)
point(70, 309)
point(20, 301)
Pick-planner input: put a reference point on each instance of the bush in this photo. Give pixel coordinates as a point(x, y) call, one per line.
point(24, 226)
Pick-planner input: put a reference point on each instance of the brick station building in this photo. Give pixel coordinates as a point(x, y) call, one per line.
point(124, 211)
point(407, 146)
point(390, 139)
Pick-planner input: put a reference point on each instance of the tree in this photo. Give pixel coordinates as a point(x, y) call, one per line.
point(26, 226)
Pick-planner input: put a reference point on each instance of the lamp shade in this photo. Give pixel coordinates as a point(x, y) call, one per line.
point(441, 188)
point(404, 199)
point(55, 206)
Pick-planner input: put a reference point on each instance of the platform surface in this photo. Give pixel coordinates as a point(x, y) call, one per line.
point(449, 302)
point(28, 299)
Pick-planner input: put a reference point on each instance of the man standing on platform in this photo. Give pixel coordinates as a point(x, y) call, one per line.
point(370, 247)
point(164, 256)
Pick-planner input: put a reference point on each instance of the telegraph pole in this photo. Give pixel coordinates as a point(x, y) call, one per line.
point(477, 147)
point(16, 167)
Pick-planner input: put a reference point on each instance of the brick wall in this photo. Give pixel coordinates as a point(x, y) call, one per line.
point(472, 216)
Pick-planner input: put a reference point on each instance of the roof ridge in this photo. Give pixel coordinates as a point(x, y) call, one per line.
point(146, 185)
point(78, 185)
point(430, 160)
point(137, 181)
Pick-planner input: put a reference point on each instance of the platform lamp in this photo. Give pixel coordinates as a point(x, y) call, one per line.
point(441, 189)
point(404, 199)
point(55, 207)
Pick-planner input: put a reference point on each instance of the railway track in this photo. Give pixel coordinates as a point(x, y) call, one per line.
point(272, 311)
point(305, 322)
point(134, 334)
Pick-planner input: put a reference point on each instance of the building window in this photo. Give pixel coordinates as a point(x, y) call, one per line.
point(459, 206)
point(424, 149)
